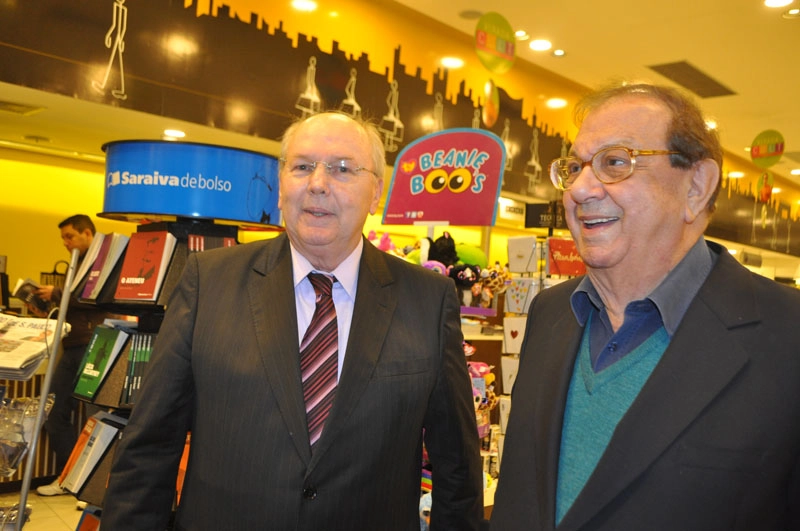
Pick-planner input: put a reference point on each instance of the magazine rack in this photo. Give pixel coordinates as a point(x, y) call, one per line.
point(62, 314)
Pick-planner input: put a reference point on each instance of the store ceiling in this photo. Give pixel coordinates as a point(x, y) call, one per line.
point(742, 45)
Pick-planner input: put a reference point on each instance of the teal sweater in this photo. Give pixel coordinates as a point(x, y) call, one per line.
point(595, 404)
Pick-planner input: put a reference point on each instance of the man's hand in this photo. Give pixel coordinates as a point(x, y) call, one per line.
point(45, 292)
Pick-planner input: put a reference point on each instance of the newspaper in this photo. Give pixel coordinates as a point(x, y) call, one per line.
point(24, 344)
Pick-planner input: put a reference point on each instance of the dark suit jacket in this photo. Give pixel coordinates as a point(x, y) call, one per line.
point(712, 442)
point(226, 366)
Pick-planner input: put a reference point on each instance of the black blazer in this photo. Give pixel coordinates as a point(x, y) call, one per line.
point(226, 366)
point(712, 442)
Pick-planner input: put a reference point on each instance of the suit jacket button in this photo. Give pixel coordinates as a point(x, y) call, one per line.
point(309, 493)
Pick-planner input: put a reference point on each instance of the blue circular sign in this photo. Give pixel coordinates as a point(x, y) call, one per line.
point(149, 179)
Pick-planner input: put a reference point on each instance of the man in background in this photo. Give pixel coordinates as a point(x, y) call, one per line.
point(230, 366)
point(661, 391)
point(77, 232)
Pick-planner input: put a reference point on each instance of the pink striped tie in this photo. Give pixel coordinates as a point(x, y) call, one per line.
point(319, 357)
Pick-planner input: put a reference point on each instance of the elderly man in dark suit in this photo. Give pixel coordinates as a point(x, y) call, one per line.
point(662, 390)
point(276, 445)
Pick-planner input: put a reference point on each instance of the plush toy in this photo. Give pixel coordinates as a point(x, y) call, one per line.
point(425, 503)
point(443, 250)
point(438, 267)
point(471, 254)
point(465, 276)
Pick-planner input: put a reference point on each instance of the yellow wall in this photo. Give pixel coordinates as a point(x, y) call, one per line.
point(36, 193)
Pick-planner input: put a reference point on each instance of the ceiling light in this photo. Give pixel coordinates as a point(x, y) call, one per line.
point(540, 45)
point(452, 62)
point(732, 251)
point(735, 174)
point(558, 52)
point(556, 103)
point(522, 35)
point(304, 5)
point(777, 190)
point(173, 134)
point(792, 13)
point(711, 124)
point(777, 3)
point(795, 172)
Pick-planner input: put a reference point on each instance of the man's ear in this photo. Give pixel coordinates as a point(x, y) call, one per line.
point(705, 177)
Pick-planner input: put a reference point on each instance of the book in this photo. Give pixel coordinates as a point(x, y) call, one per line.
point(25, 290)
point(101, 353)
point(107, 257)
point(77, 450)
point(88, 260)
point(201, 242)
point(138, 360)
point(144, 265)
point(105, 428)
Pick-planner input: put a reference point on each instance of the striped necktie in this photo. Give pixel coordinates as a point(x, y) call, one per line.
point(319, 357)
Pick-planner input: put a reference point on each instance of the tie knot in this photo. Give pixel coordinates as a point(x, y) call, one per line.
point(323, 284)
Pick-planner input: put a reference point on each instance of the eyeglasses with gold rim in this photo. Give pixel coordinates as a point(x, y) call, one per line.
point(610, 165)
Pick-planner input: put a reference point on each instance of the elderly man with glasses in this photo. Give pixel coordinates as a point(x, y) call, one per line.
point(661, 391)
point(310, 369)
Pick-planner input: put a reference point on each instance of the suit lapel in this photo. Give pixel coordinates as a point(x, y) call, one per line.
point(271, 298)
point(699, 363)
point(372, 313)
point(551, 384)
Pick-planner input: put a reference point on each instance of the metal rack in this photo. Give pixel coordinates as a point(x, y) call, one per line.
point(62, 314)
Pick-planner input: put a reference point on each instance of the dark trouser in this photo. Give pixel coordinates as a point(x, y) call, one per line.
point(60, 430)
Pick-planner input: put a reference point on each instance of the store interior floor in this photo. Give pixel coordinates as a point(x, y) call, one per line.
point(49, 513)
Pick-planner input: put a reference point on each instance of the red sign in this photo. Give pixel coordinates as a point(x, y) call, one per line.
point(451, 177)
point(563, 258)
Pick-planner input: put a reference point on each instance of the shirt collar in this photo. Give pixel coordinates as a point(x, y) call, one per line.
point(346, 273)
point(672, 297)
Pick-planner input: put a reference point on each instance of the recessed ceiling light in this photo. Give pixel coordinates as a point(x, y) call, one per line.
point(777, 190)
point(735, 174)
point(711, 124)
point(522, 35)
point(173, 134)
point(540, 45)
point(558, 52)
point(556, 103)
point(792, 13)
point(777, 3)
point(452, 62)
point(304, 5)
point(795, 172)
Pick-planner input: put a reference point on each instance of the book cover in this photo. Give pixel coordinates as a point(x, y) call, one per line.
point(77, 450)
point(105, 429)
point(144, 265)
point(94, 270)
point(25, 290)
point(88, 260)
point(103, 349)
point(107, 257)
